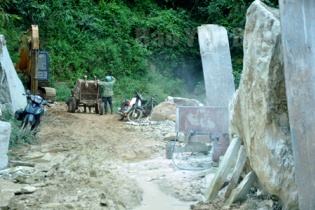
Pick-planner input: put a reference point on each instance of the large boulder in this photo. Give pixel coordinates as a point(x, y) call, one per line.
point(167, 109)
point(258, 110)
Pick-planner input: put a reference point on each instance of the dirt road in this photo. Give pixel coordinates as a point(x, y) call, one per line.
point(91, 161)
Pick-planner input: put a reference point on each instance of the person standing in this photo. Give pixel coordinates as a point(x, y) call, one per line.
point(107, 92)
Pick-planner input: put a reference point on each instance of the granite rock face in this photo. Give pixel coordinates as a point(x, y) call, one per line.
point(258, 110)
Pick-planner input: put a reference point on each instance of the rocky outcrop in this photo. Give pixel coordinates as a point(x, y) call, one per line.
point(258, 110)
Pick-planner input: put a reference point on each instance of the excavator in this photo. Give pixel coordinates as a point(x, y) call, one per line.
point(34, 64)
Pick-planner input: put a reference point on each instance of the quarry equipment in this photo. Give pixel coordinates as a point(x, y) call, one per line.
point(34, 64)
point(205, 130)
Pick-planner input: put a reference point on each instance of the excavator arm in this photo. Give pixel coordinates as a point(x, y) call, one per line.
point(34, 64)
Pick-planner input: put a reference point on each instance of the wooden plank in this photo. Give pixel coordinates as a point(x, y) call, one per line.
point(225, 166)
point(240, 163)
point(298, 40)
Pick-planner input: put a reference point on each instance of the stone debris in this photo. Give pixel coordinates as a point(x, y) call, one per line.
point(8, 189)
point(25, 179)
point(28, 189)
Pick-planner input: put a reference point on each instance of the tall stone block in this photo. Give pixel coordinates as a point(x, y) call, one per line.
point(298, 41)
point(9, 80)
point(5, 130)
point(216, 63)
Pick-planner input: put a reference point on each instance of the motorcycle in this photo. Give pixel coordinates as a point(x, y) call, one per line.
point(127, 105)
point(32, 114)
point(147, 108)
point(143, 110)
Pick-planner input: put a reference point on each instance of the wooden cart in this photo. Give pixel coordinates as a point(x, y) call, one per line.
point(86, 93)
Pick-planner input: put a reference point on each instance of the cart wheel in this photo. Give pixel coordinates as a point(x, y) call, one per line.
point(101, 111)
point(96, 109)
point(72, 105)
point(100, 107)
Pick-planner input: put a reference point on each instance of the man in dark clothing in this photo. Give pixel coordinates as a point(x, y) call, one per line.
point(107, 92)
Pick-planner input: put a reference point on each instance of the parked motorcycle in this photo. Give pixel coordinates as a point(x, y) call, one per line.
point(32, 114)
point(147, 108)
point(143, 110)
point(127, 104)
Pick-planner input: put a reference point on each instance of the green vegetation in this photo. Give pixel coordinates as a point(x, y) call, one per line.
point(18, 137)
point(62, 92)
point(148, 45)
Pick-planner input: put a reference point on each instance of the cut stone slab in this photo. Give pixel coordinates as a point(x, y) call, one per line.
point(298, 41)
point(216, 64)
point(5, 131)
point(12, 81)
point(224, 170)
point(240, 193)
point(240, 163)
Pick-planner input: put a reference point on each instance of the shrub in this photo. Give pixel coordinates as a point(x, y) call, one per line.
point(62, 92)
point(18, 137)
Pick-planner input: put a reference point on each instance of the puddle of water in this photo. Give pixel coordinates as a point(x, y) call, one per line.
point(154, 199)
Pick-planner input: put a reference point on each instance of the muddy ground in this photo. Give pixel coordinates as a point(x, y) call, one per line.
point(91, 161)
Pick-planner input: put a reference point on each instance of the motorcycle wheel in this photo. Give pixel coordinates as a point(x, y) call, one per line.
point(134, 114)
point(26, 126)
point(120, 118)
point(101, 108)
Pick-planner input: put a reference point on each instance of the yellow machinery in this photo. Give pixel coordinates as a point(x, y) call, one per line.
point(34, 64)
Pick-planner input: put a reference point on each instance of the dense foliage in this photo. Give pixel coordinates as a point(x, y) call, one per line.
point(147, 45)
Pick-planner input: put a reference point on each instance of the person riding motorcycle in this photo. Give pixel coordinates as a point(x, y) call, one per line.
point(107, 92)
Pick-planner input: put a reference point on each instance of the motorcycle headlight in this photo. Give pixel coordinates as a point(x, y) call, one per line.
point(38, 111)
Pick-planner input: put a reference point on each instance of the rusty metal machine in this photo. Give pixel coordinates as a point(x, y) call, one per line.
point(85, 93)
point(204, 129)
point(34, 64)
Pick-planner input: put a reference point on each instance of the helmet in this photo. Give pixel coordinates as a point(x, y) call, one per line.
point(108, 78)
